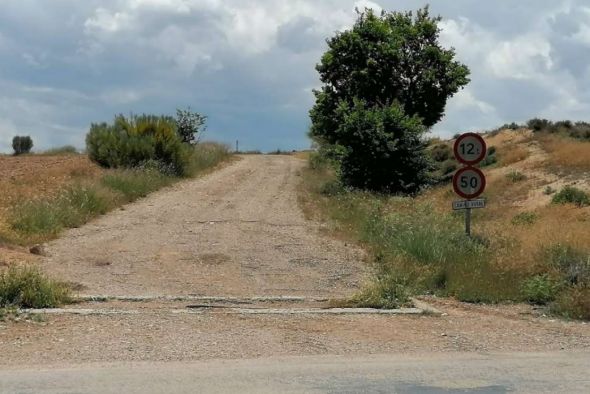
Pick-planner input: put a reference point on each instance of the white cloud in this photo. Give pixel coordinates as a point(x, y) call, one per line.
point(465, 100)
point(524, 57)
point(361, 5)
point(104, 20)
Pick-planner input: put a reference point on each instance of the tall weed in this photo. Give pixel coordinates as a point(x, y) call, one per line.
point(27, 287)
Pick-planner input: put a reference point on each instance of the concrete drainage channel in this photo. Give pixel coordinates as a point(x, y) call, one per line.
point(199, 305)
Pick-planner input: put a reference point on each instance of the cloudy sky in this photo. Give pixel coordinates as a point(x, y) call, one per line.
point(249, 64)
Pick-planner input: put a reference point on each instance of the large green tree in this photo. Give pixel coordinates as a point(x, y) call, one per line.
point(390, 70)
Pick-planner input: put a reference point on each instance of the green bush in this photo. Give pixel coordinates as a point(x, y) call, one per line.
point(510, 126)
point(540, 289)
point(448, 167)
point(332, 188)
point(572, 195)
point(62, 150)
point(190, 125)
point(578, 130)
point(22, 145)
point(441, 153)
point(516, 176)
point(537, 124)
point(384, 149)
point(549, 191)
point(130, 142)
point(489, 160)
point(27, 287)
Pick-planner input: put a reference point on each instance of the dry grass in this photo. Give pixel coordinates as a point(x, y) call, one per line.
point(34, 177)
point(566, 154)
point(510, 154)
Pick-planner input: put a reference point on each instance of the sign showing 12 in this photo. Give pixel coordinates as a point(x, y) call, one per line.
point(470, 149)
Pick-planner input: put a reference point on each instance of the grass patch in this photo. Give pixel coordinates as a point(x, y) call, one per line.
point(205, 156)
point(525, 218)
point(27, 287)
point(571, 195)
point(41, 219)
point(414, 249)
point(134, 184)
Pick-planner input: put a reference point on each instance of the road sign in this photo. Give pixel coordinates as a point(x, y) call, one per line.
point(469, 182)
point(469, 204)
point(470, 149)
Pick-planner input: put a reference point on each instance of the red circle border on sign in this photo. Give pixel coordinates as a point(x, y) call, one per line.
point(480, 190)
point(481, 156)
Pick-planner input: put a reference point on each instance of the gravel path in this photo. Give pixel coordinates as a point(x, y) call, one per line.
point(236, 232)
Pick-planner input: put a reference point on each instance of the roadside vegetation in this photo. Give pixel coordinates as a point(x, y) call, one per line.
point(61, 188)
point(383, 185)
point(138, 155)
point(41, 219)
point(417, 245)
point(27, 287)
point(374, 174)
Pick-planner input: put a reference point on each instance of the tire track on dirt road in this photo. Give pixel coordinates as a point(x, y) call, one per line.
point(237, 232)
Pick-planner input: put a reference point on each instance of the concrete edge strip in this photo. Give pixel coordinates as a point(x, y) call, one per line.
point(427, 308)
point(236, 300)
point(232, 311)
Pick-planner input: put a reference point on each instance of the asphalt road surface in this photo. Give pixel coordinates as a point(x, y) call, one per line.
point(451, 373)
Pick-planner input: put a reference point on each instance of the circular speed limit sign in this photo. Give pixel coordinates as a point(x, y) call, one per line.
point(469, 182)
point(470, 149)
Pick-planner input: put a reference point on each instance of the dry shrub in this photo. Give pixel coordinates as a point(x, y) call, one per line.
point(510, 154)
point(555, 224)
point(567, 153)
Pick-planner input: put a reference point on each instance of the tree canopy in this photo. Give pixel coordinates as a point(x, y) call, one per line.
point(392, 70)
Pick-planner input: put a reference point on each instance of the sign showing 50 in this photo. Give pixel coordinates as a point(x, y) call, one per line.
point(469, 182)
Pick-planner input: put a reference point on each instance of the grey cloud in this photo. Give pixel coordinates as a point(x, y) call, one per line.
point(60, 73)
point(298, 35)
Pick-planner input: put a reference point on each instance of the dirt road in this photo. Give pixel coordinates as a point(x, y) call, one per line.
point(240, 232)
point(236, 232)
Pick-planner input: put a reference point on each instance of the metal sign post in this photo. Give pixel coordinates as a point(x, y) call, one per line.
point(469, 182)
